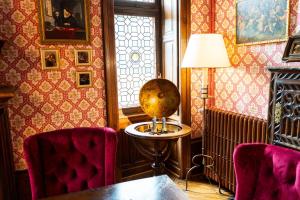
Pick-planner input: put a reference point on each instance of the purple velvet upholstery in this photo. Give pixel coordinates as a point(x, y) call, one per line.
point(266, 172)
point(70, 160)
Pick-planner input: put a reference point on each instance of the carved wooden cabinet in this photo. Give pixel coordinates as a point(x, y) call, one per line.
point(284, 107)
point(7, 177)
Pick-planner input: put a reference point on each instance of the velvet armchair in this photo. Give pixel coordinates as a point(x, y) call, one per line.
point(70, 160)
point(266, 172)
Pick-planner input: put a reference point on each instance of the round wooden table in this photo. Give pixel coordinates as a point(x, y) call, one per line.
point(158, 146)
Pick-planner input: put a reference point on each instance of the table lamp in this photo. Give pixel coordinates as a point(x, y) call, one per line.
point(205, 51)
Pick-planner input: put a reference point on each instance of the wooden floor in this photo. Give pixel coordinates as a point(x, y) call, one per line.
point(202, 190)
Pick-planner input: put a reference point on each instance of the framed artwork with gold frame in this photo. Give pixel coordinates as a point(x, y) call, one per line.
point(50, 59)
point(64, 21)
point(83, 57)
point(292, 49)
point(261, 21)
point(84, 79)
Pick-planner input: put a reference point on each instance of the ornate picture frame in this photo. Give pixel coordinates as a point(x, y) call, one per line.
point(84, 79)
point(261, 21)
point(50, 59)
point(83, 57)
point(64, 21)
point(292, 49)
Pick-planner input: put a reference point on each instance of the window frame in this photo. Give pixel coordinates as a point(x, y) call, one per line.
point(111, 90)
point(136, 4)
point(110, 68)
point(122, 7)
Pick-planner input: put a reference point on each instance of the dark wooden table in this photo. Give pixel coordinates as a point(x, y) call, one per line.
point(154, 188)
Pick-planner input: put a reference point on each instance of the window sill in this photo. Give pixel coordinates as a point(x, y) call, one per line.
point(126, 120)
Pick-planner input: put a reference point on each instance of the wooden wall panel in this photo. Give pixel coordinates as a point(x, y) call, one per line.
point(7, 177)
point(131, 164)
point(22, 185)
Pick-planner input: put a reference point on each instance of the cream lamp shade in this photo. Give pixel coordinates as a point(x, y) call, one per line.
point(206, 51)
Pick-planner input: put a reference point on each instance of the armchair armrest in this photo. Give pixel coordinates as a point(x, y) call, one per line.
point(247, 159)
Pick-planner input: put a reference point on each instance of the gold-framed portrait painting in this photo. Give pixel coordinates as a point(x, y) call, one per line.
point(292, 49)
point(261, 21)
point(50, 59)
point(83, 57)
point(64, 21)
point(84, 79)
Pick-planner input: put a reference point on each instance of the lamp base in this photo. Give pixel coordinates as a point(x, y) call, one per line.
point(204, 97)
point(208, 166)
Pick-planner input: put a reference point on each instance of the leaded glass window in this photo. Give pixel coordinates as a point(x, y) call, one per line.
point(135, 56)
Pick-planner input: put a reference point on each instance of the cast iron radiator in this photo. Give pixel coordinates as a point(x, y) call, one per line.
point(225, 130)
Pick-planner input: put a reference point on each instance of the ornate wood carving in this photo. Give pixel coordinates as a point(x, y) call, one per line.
point(284, 107)
point(7, 177)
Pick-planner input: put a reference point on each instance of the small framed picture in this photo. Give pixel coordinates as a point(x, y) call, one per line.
point(50, 58)
point(292, 49)
point(84, 79)
point(83, 57)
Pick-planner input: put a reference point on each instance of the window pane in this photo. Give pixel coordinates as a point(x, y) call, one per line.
point(135, 56)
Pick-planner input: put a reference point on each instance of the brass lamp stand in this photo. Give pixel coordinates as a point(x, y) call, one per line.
point(204, 157)
point(205, 51)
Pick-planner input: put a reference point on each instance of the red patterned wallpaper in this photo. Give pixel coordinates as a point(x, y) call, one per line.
point(245, 87)
point(47, 100)
point(200, 23)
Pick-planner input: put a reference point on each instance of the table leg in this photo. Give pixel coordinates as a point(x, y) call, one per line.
point(162, 151)
point(158, 165)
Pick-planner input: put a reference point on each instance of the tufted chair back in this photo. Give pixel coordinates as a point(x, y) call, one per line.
point(266, 172)
point(70, 160)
